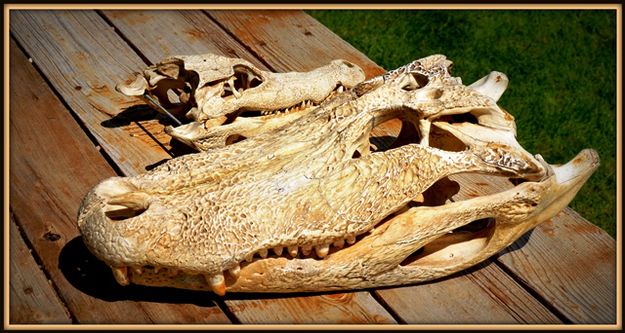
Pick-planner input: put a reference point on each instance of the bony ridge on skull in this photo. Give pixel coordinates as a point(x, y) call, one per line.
point(311, 206)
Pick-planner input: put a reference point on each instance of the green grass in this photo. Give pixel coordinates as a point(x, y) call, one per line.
point(561, 66)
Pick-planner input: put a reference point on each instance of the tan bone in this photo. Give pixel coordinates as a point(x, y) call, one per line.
point(308, 206)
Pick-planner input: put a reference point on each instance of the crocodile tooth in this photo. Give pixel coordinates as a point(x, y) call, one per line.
point(340, 89)
point(293, 251)
point(156, 269)
point(322, 250)
point(339, 243)
point(306, 249)
point(351, 239)
point(121, 275)
point(217, 283)
point(249, 257)
point(137, 270)
point(278, 250)
point(263, 253)
point(235, 271)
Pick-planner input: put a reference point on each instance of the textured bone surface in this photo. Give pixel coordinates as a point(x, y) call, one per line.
point(315, 205)
point(229, 99)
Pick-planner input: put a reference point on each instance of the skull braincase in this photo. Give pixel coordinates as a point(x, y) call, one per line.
point(229, 99)
point(319, 204)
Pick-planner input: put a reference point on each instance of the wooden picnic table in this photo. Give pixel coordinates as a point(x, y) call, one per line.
point(70, 129)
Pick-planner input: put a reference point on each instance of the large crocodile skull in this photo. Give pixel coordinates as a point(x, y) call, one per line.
point(229, 99)
point(309, 207)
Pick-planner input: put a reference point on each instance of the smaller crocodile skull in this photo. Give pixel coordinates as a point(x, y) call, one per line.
point(229, 99)
point(310, 207)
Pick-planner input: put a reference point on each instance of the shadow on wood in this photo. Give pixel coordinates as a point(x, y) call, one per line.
point(134, 114)
point(141, 113)
point(90, 275)
point(518, 244)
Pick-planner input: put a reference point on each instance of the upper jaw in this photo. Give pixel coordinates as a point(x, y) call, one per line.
point(215, 91)
point(388, 249)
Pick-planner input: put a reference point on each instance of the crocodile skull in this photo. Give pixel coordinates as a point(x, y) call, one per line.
point(310, 207)
point(229, 99)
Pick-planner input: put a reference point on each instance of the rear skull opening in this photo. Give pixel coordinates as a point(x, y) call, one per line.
point(455, 247)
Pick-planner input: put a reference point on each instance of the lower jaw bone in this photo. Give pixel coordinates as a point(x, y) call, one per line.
point(378, 259)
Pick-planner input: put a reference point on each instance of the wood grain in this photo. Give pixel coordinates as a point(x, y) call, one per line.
point(290, 39)
point(159, 34)
point(32, 299)
point(81, 55)
point(337, 308)
point(572, 265)
point(303, 50)
point(483, 294)
point(52, 166)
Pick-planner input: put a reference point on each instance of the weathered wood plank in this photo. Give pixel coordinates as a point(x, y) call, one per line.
point(52, 166)
point(292, 39)
point(158, 34)
point(84, 58)
point(336, 308)
point(32, 299)
point(487, 295)
point(582, 289)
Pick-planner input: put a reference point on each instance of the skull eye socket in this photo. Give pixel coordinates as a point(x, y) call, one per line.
point(408, 134)
point(244, 78)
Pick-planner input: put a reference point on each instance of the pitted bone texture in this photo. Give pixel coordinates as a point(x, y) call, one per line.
point(229, 99)
point(313, 205)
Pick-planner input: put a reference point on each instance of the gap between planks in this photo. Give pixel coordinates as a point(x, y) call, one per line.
point(71, 112)
point(532, 291)
point(56, 295)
